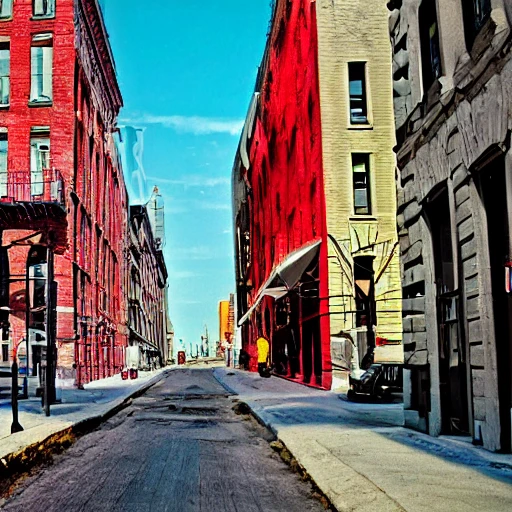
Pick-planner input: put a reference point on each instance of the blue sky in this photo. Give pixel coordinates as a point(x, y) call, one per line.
point(187, 70)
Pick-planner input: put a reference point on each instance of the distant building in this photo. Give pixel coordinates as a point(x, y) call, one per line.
point(155, 207)
point(148, 319)
point(223, 324)
point(317, 260)
point(452, 65)
point(226, 329)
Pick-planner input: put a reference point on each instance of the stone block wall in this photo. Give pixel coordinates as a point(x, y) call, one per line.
point(445, 143)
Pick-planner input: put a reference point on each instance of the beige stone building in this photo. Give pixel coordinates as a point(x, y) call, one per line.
point(452, 74)
point(359, 171)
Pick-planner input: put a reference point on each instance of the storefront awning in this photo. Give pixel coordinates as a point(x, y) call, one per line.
point(247, 131)
point(285, 276)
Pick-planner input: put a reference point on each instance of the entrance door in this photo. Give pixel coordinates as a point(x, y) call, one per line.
point(493, 188)
point(452, 357)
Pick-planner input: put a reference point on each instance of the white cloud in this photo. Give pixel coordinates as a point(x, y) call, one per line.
point(194, 253)
point(203, 205)
point(190, 124)
point(183, 274)
point(193, 180)
point(175, 209)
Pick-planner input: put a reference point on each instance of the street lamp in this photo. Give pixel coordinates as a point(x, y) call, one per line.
point(10, 311)
point(15, 425)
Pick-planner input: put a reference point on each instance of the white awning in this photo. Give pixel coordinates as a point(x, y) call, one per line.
point(285, 276)
point(247, 130)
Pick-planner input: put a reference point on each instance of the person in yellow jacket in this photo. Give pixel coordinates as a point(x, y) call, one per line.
point(263, 353)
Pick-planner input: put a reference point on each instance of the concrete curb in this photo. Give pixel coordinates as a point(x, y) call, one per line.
point(356, 494)
point(19, 461)
point(223, 384)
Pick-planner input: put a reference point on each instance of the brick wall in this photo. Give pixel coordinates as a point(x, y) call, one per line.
point(94, 188)
point(352, 31)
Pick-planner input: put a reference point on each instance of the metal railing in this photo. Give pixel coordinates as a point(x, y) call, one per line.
point(46, 186)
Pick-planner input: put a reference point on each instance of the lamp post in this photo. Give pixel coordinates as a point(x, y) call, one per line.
point(15, 425)
point(25, 377)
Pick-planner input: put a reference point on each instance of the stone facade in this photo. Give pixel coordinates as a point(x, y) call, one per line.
point(453, 109)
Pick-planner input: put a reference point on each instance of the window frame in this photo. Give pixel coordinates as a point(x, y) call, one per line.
point(365, 97)
point(43, 16)
point(7, 44)
point(6, 17)
point(44, 41)
point(4, 173)
point(428, 14)
point(366, 159)
point(39, 135)
point(473, 24)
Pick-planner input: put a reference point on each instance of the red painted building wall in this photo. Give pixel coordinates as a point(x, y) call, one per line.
point(90, 266)
point(286, 202)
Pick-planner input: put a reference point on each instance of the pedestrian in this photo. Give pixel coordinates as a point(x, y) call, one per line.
point(243, 360)
point(263, 354)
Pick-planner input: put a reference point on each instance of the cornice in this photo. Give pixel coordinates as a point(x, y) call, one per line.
point(91, 32)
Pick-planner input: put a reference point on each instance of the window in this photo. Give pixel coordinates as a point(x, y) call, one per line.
point(361, 180)
point(357, 91)
point(39, 157)
point(365, 292)
point(5, 65)
point(43, 8)
point(429, 40)
point(5, 9)
point(3, 162)
point(476, 13)
point(41, 90)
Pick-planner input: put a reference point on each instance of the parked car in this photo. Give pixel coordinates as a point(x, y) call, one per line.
point(378, 381)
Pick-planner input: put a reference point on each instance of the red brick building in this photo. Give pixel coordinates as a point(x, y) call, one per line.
point(279, 183)
point(63, 203)
point(316, 244)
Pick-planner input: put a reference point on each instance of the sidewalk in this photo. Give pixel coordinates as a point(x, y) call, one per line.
point(363, 460)
point(98, 400)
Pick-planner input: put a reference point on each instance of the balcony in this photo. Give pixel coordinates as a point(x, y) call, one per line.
point(25, 187)
point(36, 202)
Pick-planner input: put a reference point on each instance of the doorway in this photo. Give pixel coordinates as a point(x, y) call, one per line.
point(451, 348)
point(494, 196)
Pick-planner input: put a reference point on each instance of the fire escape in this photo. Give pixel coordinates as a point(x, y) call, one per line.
point(35, 202)
point(33, 205)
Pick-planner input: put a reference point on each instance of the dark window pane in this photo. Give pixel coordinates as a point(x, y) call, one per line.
point(429, 37)
point(361, 183)
point(476, 13)
point(44, 7)
point(357, 91)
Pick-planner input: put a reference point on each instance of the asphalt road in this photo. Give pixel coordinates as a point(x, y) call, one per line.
point(179, 447)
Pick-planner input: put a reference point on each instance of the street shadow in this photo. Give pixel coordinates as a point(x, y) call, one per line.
point(385, 420)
